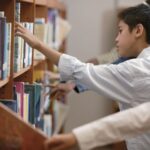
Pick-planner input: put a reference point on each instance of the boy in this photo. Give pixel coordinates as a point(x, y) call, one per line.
point(128, 83)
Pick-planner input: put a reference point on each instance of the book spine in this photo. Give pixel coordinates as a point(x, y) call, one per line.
point(30, 48)
point(12, 104)
point(17, 41)
point(9, 48)
point(1, 49)
point(4, 47)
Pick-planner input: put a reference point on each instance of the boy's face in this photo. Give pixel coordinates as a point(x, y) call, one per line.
point(126, 40)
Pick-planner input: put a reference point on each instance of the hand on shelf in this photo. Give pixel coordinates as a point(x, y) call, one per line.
point(35, 43)
point(26, 35)
point(61, 142)
point(61, 90)
point(52, 75)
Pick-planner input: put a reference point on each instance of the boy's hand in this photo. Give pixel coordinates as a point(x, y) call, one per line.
point(61, 142)
point(61, 90)
point(26, 35)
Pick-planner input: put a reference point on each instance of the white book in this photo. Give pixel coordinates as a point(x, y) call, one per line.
point(60, 115)
point(40, 32)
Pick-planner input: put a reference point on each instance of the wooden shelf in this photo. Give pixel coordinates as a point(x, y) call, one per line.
point(29, 10)
point(21, 72)
point(38, 62)
point(27, 1)
point(41, 2)
point(4, 82)
point(56, 4)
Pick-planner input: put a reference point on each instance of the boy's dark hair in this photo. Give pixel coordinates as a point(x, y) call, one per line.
point(139, 14)
point(148, 2)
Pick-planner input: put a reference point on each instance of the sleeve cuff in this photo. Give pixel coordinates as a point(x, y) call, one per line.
point(85, 137)
point(65, 67)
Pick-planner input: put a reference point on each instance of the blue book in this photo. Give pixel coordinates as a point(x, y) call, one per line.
point(30, 89)
point(2, 43)
point(37, 104)
point(11, 104)
point(5, 51)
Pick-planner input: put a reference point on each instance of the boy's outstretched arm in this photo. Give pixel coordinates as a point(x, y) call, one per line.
point(108, 130)
point(36, 43)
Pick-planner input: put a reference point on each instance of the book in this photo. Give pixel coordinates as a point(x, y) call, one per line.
point(37, 104)
point(3, 45)
point(26, 107)
point(30, 89)
point(4, 50)
point(34, 91)
point(11, 104)
point(58, 29)
point(20, 97)
point(40, 31)
point(47, 128)
point(0, 49)
point(22, 52)
point(60, 115)
point(9, 26)
point(17, 134)
point(64, 29)
point(53, 21)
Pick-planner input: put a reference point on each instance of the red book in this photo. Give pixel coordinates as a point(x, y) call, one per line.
point(20, 96)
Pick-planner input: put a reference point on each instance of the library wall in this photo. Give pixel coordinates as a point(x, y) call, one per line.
point(91, 35)
point(128, 2)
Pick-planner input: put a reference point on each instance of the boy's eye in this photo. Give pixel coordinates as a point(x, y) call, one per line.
point(120, 30)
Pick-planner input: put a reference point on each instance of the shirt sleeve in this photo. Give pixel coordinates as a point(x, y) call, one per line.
point(80, 87)
point(114, 128)
point(112, 81)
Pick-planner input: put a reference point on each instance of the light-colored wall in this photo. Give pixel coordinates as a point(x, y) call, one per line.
point(93, 33)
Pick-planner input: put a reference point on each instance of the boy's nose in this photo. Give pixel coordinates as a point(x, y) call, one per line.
point(117, 38)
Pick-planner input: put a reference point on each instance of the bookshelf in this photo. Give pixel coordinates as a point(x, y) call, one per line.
point(8, 6)
point(29, 11)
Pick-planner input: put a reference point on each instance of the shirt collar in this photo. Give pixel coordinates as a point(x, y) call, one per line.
point(144, 53)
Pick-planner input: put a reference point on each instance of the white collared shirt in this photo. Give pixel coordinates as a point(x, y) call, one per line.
point(128, 83)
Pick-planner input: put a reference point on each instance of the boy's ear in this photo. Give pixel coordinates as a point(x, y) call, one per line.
point(139, 30)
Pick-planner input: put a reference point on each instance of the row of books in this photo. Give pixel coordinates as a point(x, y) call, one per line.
point(31, 102)
point(28, 100)
point(52, 31)
point(5, 46)
point(22, 51)
point(58, 28)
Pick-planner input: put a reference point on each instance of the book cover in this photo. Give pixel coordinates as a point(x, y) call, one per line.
point(17, 48)
point(2, 44)
point(20, 96)
point(30, 89)
point(11, 104)
point(1, 49)
point(26, 107)
point(37, 104)
point(9, 48)
point(5, 51)
point(40, 31)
